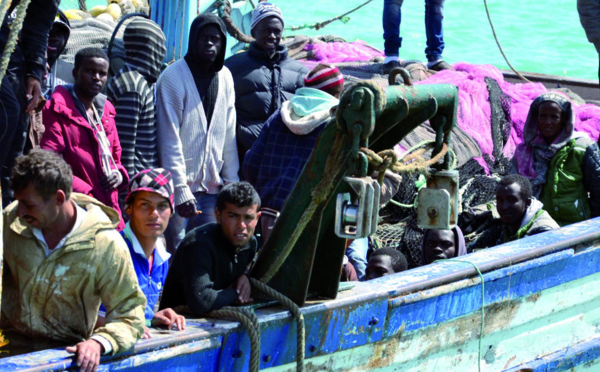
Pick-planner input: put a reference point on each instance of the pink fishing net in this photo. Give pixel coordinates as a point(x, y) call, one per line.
point(336, 52)
point(474, 106)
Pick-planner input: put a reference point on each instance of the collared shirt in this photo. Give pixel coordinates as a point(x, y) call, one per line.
point(151, 281)
point(80, 214)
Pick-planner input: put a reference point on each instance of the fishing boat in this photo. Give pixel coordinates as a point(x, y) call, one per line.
point(528, 305)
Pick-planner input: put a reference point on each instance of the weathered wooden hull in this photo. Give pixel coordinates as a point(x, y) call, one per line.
point(542, 310)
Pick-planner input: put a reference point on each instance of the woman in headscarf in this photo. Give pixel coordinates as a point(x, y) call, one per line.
point(562, 165)
point(443, 244)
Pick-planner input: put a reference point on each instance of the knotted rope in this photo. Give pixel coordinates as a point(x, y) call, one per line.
point(82, 5)
point(411, 163)
point(13, 36)
point(249, 320)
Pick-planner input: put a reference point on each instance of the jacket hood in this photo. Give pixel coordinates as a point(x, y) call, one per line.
point(531, 211)
point(66, 29)
point(459, 241)
point(531, 132)
point(307, 110)
point(99, 217)
point(60, 99)
point(145, 49)
point(202, 20)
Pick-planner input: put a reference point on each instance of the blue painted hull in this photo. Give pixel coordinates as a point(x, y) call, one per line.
point(541, 312)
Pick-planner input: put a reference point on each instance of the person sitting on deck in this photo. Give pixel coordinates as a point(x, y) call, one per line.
point(149, 204)
point(196, 126)
point(62, 257)
point(385, 261)
point(562, 165)
point(264, 76)
point(208, 270)
point(521, 213)
point(80, 126)
point(443, 244)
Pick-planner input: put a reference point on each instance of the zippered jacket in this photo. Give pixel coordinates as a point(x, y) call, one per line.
point(70, 134)
point(58, 296)
point(573, 173)
point(262, 83)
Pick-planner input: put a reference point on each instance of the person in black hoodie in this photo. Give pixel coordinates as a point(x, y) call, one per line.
point(208, 271)
point(264, 77)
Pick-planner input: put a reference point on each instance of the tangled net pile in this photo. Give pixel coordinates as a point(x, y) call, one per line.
point(491, 117)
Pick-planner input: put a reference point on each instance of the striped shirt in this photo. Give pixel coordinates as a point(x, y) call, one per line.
point(132, 93)
point(134, 102)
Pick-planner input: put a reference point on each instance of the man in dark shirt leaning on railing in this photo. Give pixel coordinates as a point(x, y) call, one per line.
point(208, 270)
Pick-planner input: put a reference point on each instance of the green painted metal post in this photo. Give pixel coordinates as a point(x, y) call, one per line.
point(301, 252)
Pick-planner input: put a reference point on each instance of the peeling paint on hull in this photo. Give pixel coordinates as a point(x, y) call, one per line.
point(542, 313)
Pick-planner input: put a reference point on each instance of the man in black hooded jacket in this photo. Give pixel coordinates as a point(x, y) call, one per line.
point(264, 76)
point(196, 126)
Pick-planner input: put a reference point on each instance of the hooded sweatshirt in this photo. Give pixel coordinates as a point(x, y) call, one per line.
point(200, 154)
point(206, 81)
point(58, 296)
point(275, 161)
point(132, 93)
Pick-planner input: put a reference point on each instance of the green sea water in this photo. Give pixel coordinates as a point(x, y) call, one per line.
point(542, 36)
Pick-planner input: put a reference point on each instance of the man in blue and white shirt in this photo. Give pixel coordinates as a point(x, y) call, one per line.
point(149, 205)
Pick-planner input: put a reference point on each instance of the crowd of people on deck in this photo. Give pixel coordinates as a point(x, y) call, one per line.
point(136, 207)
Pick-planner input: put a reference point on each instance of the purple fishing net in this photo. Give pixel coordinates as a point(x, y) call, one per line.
point(336, 52)
point(474, 106)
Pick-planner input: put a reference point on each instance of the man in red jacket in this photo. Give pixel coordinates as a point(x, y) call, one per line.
point(80, 125)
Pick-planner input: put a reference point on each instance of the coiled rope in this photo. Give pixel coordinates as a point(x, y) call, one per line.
point(250, 321)
point(500, 46)
point(13, 36)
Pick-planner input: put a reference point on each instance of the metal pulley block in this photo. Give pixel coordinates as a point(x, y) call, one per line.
point(358, 220)
point(438, 202)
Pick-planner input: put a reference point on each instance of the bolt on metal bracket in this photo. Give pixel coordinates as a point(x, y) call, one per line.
point(358, 220)
point(438, 202)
